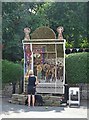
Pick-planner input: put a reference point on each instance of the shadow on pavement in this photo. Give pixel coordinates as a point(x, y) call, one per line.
point(15, 108)
point(8, 108)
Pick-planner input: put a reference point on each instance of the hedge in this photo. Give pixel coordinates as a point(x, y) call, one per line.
point(77, 68)
point(11, 71)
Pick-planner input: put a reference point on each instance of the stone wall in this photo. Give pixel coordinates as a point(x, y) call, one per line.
point(7, 89)
point(84, 90)
point(48, 100)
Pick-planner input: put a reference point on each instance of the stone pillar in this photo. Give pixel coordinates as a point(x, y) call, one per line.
point(27, 31)
point(27, 55)
point(60, 29)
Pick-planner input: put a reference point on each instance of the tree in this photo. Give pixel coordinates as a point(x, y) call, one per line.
point(73, 17)
point(17, 16)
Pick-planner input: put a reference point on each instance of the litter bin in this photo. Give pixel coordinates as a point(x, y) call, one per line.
point(74, 96)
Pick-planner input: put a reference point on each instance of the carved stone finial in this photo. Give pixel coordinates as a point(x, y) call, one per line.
point(27, 31)
point(60, 30)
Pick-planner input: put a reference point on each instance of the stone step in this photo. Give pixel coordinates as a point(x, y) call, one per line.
point(48, 100)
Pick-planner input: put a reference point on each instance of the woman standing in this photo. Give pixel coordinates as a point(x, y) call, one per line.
point(32, 82)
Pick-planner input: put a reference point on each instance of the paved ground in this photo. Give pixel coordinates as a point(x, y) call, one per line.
point(10, 110)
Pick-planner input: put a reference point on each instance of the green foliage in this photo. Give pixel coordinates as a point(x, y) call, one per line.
point(11, 71)
point(76, 68)
point(69, 45)
point(84, 44)
point(16, 16)
point(72, 16)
